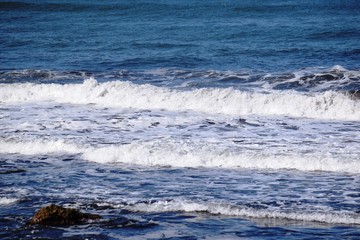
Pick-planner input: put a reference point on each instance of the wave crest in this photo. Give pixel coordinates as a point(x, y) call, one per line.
point(175, 154)
point(326, 105)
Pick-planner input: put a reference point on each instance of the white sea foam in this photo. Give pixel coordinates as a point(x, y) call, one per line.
point(235, 210)
point(7, 201)
point(189, 155)
point(38, 147)
point(327, 105)
point(178, 154)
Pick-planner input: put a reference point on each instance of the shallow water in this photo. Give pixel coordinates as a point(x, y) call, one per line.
point(173, 202)
point(181, 119)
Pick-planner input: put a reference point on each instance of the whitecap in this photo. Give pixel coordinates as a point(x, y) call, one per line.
point(327, 105)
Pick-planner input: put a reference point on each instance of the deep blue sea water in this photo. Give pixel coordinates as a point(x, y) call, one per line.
point(181, 119)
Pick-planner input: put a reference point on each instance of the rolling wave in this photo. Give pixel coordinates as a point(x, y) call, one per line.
point(325, 105)
point(336, 78)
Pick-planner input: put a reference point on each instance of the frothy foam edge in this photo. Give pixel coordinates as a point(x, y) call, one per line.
point(234, 210)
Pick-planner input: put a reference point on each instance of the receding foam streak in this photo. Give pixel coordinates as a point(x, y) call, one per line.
point(234, 210)
point(327, 105)
point(184, 155)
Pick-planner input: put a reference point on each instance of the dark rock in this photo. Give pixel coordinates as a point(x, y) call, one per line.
point(54, 215)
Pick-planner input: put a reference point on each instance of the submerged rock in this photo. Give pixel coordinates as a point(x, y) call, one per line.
point(54, 215)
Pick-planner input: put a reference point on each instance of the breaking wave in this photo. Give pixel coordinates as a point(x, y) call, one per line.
point(336, 78)
point(176, 154)
point(324, 105)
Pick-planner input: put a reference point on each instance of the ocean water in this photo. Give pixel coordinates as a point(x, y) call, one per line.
point(181, 119)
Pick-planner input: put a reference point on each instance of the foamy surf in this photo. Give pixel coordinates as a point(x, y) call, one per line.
point(184, 155)
point(243, 211)
point(206, 122)
point(178, 156)
point(7, 201)
point(38, 147)
point(326, 105)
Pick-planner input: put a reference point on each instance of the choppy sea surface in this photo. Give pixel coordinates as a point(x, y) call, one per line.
point(181, 119)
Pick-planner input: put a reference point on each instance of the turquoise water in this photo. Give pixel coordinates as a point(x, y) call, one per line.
point(181, 119)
